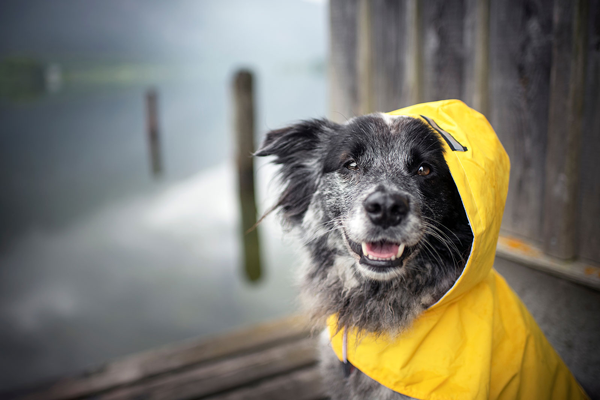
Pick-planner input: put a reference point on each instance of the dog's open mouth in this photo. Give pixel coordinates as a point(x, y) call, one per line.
point(382, 251)
point(381, 255)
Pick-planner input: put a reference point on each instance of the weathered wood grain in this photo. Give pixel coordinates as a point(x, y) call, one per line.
point(365, 58)
point(477, 86)
point(470, 37)
point(589, 218)
point(222, 375)
point(304, 384)
point(171, 358)
point(414, 53)
point(343, 85)
point(389, 24)
point(520, 58)
point(564, 128)
point(443, 43)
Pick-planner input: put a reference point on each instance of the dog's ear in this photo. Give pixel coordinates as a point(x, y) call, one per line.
point(295, 139)
point(299, 150)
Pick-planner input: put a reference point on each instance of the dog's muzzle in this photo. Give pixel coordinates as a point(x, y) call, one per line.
point(386, 209)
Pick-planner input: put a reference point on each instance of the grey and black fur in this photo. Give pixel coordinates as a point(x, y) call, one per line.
point(374, 179)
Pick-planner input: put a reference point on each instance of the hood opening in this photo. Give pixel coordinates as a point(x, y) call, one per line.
point(472, 245)
point(453, 145)
point(480, 169)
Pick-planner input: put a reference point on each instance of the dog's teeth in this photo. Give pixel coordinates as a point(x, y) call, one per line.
point(393, 258)
point(364, 249)
point(400, 250)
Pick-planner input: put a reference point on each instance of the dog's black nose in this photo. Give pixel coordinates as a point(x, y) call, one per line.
point(386, 209)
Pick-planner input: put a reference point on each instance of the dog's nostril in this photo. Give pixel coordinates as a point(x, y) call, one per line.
point(399, 204)
point(386, 209)
point(373, 207)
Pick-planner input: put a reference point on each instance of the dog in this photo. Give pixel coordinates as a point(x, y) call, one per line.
point(377, 211)
point(385, 234)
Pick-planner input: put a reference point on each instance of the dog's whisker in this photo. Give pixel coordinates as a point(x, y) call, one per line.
point(431, 251)
point(443, 242)
point(445, 239)
point(442, 226)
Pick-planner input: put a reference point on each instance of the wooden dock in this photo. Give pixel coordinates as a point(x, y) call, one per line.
point(276, 360)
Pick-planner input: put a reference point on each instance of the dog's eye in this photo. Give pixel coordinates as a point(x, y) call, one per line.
point(351, 165)
point(424, 170)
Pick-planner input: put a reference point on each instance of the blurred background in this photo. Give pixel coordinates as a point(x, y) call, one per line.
point(99, 256)
point(127, 187)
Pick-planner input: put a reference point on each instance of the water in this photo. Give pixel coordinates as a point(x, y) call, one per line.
point(98, 259)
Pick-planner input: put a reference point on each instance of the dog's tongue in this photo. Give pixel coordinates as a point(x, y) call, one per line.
point(382, 249)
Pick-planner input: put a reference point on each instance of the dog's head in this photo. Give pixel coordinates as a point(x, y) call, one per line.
point(374, 203)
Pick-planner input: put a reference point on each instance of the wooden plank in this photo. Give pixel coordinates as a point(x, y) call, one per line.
point(389, 24)
point(365, 58)
point(479, 92)
point(171, 358)
point(531, 256)
point(470, 36)
point(589, 234)
point(343, 72)
point(520, 55)
point(222, 375)
point(414, 65)
point(564, 128)
point(443, 39)
point(304, 384)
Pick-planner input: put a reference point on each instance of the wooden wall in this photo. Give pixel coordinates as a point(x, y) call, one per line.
point(589, 195)
point(520, 59)
point(531, 66)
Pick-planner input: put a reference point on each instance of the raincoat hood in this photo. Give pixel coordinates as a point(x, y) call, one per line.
point(478, 341)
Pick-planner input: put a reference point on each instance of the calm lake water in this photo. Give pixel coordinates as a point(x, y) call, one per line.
point(98, 259)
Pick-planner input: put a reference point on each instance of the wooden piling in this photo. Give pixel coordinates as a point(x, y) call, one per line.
point(153, 133)
point(243, 93)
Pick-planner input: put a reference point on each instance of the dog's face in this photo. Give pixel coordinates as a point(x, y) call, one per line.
point(375, 205)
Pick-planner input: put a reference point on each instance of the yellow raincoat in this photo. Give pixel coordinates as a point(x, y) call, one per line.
point(478, 341)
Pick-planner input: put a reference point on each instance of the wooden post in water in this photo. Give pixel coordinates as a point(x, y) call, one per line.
point(153, 134)
point(243, 93)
